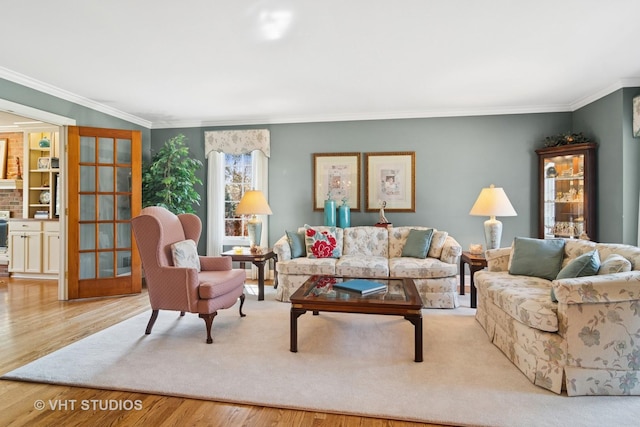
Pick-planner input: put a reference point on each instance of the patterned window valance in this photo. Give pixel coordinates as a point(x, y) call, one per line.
point(237, 141)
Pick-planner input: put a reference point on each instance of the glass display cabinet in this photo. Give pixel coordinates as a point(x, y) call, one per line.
point(567, 176)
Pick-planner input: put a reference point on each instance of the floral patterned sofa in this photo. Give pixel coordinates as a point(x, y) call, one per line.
point(375, 252)
point(588, 342)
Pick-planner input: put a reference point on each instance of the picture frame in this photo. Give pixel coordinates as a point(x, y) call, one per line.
point(44, 162)
point(4, 143)
point(338, 174)
point(390, 177)
point(636, 116)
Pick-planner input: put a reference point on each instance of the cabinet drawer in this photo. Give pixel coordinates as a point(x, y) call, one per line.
point(15, 226)
point(52, 226)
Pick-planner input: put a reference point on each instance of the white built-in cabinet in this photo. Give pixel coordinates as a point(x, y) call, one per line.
point(51, 247)
point(34, 248)
point(34, 240)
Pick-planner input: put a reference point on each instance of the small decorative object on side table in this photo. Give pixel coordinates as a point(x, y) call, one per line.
point(383, 222)
point(476, 262)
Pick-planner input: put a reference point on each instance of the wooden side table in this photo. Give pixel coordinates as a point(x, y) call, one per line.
point(476, 262)
point(259, 260)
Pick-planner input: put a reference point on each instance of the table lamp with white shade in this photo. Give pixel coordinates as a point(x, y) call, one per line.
point(253, 203)
point(492, 202)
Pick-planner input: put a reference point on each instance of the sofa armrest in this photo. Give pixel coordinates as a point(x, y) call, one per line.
point(451, 251)
point(215, 263)
point(604, 288)
point(282, 249)
point(498, 259)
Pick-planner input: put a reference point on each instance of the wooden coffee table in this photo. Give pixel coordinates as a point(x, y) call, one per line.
point(317, 294)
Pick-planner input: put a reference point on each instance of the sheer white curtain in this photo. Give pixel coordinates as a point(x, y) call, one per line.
point(260, 174)
point(215, 209)
point(217, 143)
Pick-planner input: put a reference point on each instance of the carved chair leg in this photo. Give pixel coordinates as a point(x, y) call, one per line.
point(241, 304)
point(208, 321)
point(154, 316)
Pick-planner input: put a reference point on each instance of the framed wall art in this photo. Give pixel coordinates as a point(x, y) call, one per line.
point(390, 178)
point(338, 175)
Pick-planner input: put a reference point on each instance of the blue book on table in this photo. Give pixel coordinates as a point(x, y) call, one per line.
point(362, 286)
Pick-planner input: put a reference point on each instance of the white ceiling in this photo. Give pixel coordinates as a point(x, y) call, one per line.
point(167, 63)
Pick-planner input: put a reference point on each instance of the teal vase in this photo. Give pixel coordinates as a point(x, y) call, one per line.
point(330, 212)
point(344, 215)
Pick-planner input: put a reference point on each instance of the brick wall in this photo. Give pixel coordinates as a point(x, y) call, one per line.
point(11, 200)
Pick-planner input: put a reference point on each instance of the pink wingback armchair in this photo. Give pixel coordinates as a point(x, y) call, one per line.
point(216, 286)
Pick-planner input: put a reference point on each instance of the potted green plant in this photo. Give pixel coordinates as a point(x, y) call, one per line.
point(169, 179)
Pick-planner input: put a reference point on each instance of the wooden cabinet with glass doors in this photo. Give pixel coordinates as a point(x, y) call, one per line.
point(567, 183)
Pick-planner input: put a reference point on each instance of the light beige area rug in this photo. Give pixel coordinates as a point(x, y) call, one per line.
point(346, 363)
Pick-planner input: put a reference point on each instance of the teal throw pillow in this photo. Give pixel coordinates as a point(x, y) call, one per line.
point(417, 244)
point(586, 264)
point(296, 242)
point(537, 257)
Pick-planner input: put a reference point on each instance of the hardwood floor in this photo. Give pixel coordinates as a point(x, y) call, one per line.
point(35, 323)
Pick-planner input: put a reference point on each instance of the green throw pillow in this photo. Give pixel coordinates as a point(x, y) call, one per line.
point(296, 242)
point(417, 244)
point(586, 264)
point(537, 257)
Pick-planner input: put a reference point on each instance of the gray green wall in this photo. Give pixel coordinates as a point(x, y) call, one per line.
point(84, 116)
point(455, 158)
point(609, 120)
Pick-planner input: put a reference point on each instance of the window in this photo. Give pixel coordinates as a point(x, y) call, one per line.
point(237, 161)
point(238, 178)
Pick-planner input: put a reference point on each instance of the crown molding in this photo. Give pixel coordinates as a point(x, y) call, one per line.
point(400, 115)
point(620, 84)
point(29, 82)
point(365, 116)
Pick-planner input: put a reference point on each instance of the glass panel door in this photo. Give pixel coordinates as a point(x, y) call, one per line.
point(104, 195)
point(564, 196)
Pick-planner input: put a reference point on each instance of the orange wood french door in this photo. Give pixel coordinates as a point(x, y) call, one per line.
point(104, 169)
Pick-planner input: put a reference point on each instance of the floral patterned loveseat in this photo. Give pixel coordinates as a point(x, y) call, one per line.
point(376, 252)
point(588, 342)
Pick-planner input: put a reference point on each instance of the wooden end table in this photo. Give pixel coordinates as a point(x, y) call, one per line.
point(259, 260)
point(476, 262)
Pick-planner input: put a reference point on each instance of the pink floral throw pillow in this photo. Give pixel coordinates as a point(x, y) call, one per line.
point(321, 243)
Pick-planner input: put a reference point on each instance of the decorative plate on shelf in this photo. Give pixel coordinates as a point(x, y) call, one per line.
point(45, 197)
